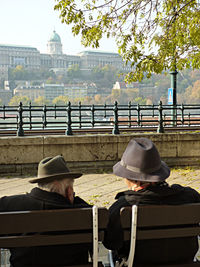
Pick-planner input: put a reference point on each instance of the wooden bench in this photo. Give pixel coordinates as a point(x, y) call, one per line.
point(34, 228)
point(158, 222)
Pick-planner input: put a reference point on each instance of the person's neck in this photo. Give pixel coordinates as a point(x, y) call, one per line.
point(137, 187)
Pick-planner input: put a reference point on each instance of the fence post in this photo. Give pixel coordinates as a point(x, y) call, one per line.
point(182, 114)
point(20, 130)
point(105, 110)
point(55, 109)
point(79, 106)
point(45, 116)
point(30, 116)
point(160, 119)
point(69, 120)
point(129, 114)
point(116, 128)
point(138, 114)
point(92, 115)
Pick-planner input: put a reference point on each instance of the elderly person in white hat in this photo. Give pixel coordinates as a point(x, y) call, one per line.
point(145, 174)
point(54, 191)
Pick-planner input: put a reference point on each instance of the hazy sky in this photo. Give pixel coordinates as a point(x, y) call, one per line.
point(31, 22)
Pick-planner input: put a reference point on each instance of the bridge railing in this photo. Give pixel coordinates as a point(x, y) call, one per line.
point(116, 117)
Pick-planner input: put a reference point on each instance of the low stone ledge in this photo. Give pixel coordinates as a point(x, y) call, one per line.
point(92, 153)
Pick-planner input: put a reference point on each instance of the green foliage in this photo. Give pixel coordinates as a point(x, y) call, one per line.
point(73, 72)
point(105, 76)
point(15, 100)
point(153, 36)
point(140, 100)
point(40, 101)
point(20, 73)
point(60, 100)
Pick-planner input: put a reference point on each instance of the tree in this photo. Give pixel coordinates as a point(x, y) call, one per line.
point(154, 35)
point(192, 94)
point(73, 72)
point(97, 99)
point(60, 100)
point(104, 76)
point(140, 100)
point(15, 100)
point(40, 101)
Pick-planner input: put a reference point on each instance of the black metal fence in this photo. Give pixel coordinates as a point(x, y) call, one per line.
point(116, 117)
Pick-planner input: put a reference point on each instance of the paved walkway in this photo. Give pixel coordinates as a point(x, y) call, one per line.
point(99, 189)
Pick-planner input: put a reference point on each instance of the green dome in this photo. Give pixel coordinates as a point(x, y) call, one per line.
point(55, 37)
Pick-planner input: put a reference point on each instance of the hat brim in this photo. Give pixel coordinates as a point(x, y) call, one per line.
point(156, 176)
point(60, 176)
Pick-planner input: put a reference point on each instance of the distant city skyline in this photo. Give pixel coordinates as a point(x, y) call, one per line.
point(32, 22)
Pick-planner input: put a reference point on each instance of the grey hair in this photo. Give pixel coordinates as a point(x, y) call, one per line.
point(57, 186)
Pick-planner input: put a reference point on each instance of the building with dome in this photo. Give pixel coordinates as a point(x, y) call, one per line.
point(31, 58)
point(54, 45)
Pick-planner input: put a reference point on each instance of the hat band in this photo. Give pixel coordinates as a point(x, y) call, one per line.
point(135, 169)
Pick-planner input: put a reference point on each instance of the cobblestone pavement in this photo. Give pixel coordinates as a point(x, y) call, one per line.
point(100, 189)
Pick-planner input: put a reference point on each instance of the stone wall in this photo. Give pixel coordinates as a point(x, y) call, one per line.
point(92, 153)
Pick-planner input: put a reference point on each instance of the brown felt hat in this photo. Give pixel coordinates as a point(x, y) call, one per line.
point(50, 169)
point(141, 162)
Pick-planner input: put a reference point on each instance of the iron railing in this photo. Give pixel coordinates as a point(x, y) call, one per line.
point(116, 117)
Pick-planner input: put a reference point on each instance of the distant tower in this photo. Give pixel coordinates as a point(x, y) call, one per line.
point(54, 45)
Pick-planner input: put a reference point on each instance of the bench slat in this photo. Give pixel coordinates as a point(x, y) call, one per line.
point(44, 240)
point(50, 220)
point(163, 233)
point(155, 215)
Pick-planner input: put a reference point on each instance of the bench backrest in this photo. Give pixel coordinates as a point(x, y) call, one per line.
point(77, 224)
point(54, 227)
point(173, 221)
point(155, 222)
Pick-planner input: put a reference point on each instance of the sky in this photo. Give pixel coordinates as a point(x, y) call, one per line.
point(32, 22)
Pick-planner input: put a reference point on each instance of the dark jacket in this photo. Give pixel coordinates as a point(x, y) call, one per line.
point(39, 199)
point(152, 251)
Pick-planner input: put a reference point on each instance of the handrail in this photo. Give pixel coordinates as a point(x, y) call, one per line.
point(116, 117)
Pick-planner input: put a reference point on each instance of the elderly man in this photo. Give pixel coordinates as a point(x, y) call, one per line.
point(145, 174)
point(54, 191)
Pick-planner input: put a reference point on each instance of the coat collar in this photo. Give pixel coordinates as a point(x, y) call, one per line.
point(50, 197)
point(160, 190)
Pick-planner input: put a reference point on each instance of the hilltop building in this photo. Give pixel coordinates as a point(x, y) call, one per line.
point(31, 58)
point(30, 91)
point(51, 91)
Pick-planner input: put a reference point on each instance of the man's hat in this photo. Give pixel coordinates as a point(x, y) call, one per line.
point(50, 169)
point(141, 161)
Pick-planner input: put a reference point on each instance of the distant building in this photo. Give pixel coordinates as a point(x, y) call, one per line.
point(51, 91)
point(13, 55)
point(5, 93)
point(92, 59)
point(30, 91)
point(31, 58)
point(80, 90)
point(147, 91)
point(54, 45)
point(120, 86)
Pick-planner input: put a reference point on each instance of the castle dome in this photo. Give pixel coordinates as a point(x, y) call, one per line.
point(54, 45)
point(55, 37)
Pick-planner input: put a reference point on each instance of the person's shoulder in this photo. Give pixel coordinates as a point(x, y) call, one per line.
point(13, 202)
point(78, 201)
point(187, 190)
point(121, 201)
